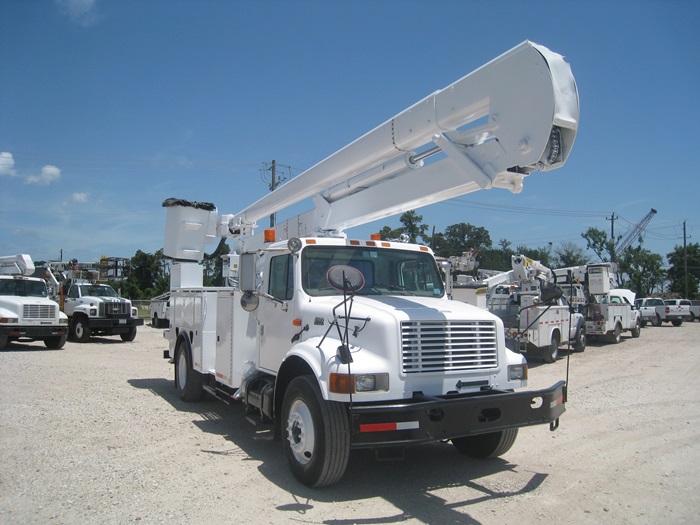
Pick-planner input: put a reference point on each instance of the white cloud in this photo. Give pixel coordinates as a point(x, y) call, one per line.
point(48, 175)
point(7, 164)
point(80, 196)
point(82, 12)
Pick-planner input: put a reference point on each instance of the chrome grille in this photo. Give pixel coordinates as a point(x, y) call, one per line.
point(114, 309)
point(448, 346)
point(39, 311)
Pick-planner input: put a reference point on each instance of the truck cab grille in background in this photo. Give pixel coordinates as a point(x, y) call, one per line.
point(39, 311)
point(448, 346)
point(114, 309)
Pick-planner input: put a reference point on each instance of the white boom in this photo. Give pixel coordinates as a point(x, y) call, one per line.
point(515, 115)
point(20, 264)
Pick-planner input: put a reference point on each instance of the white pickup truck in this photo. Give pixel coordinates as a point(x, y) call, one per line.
point(656, 311)
point(679, 307)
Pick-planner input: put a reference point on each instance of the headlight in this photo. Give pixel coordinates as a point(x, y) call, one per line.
point(63, 320)
point(351, 383)
point(517, 372)
point(93, 312)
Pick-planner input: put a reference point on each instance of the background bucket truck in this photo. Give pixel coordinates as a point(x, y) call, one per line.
point(342, 344)
point(26, 312)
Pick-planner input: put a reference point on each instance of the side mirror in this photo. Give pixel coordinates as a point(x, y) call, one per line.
point(247, 277)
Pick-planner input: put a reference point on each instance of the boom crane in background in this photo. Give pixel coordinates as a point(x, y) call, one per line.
point(634, 233)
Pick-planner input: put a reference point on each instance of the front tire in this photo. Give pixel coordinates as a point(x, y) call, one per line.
point(656, 321)
point(187, 380)
point(615, 335)
point(580, 339)
point(637, 330)
point(3, 341)
point(130, 335)
point(316, 434)
point(55, 342)
point(552, 352)
point(81, 329)
point(484, 446)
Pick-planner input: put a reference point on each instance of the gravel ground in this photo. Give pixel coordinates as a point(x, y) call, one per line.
point(95, 433)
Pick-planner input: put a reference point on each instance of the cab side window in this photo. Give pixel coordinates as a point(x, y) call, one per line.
point(281, 285)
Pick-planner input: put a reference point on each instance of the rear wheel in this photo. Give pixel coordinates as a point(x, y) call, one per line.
point(187, 380)
point(81, 329)
point(316, 434)
point(484, 446)
point(677, 322)
point(55, 342)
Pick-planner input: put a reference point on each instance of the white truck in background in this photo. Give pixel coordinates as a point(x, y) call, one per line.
point(93, 308)
point(159, 311)
point(608, 311)
point(26, 312)
point(342, 343)
point(535, 313)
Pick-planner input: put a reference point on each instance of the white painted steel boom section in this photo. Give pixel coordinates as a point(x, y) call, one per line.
point(517, 114)
point(20, 264)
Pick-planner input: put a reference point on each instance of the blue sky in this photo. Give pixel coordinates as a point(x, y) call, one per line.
point(109, 108)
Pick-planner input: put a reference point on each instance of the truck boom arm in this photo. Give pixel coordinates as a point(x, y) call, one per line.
point(515, 115)
point(20, 264)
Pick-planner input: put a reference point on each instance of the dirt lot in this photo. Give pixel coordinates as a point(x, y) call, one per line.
point(95, 433)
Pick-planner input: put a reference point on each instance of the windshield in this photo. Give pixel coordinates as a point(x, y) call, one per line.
point(385, 271)
point(97, 290)
point(22, 288)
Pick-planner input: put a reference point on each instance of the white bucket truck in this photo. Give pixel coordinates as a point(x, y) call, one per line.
point(609, 311)
point(342, 344)
point(26, 312)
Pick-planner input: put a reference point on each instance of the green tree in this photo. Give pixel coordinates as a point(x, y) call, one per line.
point(598, 241)
point(569, 254)
point(412, 226)
point(677, 274)
point(540, 254)
point(461, 237)
point(146, 276)
point(214, 265)
point(497, 258)
point(641, 270)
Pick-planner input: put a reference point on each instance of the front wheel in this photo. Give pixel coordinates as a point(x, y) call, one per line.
point(637, 330)
point(614, 335)
point(656, 321)
point(55, 341)
point(81, 329)
point(316, 434)
point(552, 351)
point(580, 339)
point(484, 446)
point(130, 335)
point(187, 380)
point(3, 341)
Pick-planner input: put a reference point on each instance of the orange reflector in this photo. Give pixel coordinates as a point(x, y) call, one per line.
point(310, 241)
point(371, 243)
point(342, 383)
point(424, 248)
point(269, 235)
point(386, 244)
point(376, 237)
point(296, 322)
point(354, 243)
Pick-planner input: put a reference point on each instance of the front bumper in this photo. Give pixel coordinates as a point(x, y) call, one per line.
point(102, 323)
point(423, 419)
point(33, 332)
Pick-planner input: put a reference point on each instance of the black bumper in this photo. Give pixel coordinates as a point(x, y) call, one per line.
point(422, 420)
point(101, 323)
point(33, 332)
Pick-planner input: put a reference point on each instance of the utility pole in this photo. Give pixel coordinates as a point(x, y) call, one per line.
point(612, 235)
point(685, 261)
point(273, 185)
